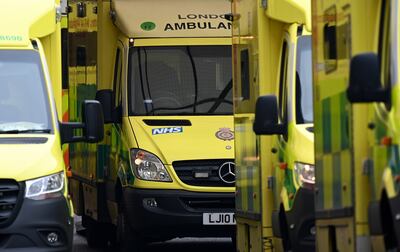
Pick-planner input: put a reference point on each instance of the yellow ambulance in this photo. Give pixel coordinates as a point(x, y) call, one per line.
point(166, 167)
point(36, 213)
point(273, 96)
point(356, 127)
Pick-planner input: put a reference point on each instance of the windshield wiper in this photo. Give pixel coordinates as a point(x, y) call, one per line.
point(17, 131)
point(221, 97)
point(192, 105)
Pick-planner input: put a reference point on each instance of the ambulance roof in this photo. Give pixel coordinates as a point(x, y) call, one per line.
point(295, 11)
point(21, 20)
point(172, 18)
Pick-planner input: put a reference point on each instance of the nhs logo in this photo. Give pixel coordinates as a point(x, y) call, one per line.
point(167, 130)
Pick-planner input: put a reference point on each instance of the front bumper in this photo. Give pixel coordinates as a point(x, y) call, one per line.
point(177, 213)
point(34, 221)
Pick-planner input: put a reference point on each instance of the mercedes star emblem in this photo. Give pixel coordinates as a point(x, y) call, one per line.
point(227, 172)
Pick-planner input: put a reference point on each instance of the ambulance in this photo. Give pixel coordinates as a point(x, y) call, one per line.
point(36, 212)
point(356, 124)
point(162, 71)
point(273, 125)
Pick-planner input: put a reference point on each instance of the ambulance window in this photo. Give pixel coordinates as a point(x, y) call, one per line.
point(180, 80)
point(117, 78)
point(244, 66)
point(330, 48)
point(282, 84)
point(24, 105)
point(64, 58)
point(81, 56)
point(304, 99)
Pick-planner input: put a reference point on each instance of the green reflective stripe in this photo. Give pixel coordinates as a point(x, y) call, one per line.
point(257, 189)
point(344, 122)
point(320, 184)
point(328, 174)
point(244, 188)
point(335, 123)
point(239, 186)
point(103, 151)
point(337, 184)
point(380, 128)
point(288, 183)
point(318, 140)
point(396, 159)
point(250, 190)
point(395, 164)
point(346, 178)
point(326, 125)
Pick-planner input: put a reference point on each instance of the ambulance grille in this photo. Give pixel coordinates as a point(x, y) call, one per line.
point(201, 172)
point(10, 196)
point(210, 203)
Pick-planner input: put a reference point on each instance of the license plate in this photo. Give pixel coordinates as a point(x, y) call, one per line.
point(219, 219)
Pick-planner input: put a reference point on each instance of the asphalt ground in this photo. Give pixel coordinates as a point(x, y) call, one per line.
point(175, 245)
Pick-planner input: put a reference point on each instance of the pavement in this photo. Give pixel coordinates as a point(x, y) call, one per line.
point(175, 245)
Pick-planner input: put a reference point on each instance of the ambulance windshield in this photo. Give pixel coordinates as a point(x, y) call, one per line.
point(24, 102)
point(304, 94)
point(180, 80)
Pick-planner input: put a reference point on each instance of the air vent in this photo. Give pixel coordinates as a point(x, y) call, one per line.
point(10, 194)
point(210, 203)
point(164, 122)
point(23, 140)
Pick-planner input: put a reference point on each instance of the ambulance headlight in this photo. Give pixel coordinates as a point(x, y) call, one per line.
point(45, 187)
point(147, 166)
point(305, 173)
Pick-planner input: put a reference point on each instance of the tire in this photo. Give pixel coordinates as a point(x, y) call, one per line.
point(234, 242)
point(128, 240)
point(96, 234)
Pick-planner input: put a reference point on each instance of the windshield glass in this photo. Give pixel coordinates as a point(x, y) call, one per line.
point(304, 95)
point(176, 80)
point(23, 98)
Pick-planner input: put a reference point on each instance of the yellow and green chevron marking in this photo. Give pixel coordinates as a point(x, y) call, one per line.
point(333, 153)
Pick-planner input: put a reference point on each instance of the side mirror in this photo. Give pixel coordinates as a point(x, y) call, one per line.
point(92, 128)
point(110, 113)
point(92, 116)
point(365, 84)
point(266, 118)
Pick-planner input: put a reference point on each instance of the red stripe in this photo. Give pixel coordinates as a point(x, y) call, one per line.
point(66, 158)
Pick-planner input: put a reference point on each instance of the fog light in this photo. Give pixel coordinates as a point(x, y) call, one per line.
point(313, 231)
point(52, 238)
point(151, 202)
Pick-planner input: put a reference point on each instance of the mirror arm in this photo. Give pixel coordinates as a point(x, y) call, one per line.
point(380, 95)
point(281, 129)
point(278, 129)
point(67, 132)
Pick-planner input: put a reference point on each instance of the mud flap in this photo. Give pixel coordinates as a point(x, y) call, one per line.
point(395, 210)
point(276, 225)
point(374, 218)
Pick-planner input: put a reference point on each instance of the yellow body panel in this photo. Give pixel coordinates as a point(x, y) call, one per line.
point(39, 22)
point(37, 26)
point(172, 19)
point(181, 41)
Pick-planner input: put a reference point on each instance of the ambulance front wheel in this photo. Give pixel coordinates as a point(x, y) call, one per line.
point(128, 240)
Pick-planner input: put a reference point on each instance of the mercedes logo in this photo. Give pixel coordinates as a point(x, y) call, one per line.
point(227, 172)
